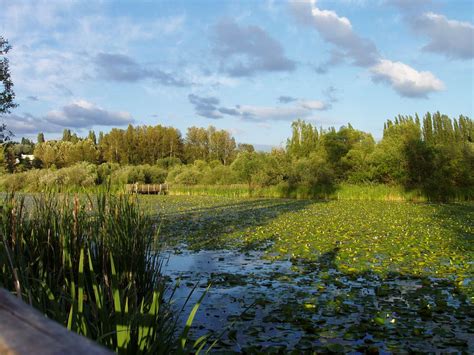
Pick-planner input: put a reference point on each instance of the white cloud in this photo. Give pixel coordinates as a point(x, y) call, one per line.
point(248, 50)
point(313, 104)
point(448, 37)
point(272, 113)
point(337, 30)
point(79, 114)
point(205, 106)
point(454, 39)
point(28, 124)
point(54, 42)
point(122, 68)
point(301, 109)
point(209, 107)
point(84, 114)
point(406, 80)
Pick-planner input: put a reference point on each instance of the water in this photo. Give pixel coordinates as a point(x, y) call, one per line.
point(260, 304)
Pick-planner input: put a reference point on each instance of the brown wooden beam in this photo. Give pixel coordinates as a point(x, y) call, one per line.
point(24, 330)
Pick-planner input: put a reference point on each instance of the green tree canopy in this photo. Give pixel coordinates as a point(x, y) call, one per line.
point(7, 95)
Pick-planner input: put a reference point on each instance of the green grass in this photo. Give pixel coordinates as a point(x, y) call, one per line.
point(367, 192)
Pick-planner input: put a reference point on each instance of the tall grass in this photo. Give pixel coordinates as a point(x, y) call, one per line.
point(92, 266)
point(377, 192)
point(237, 190)
point(369, 192)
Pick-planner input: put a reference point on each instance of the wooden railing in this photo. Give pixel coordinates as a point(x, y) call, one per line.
point(24, 330)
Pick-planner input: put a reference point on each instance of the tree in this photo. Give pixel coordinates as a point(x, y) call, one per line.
point(7, 96)
point(92, 137)
point(9, 158)
point(244, 147)
point(47, 153)
point(304, 139)
point(67, 135)
point(196, 144)
point(246, 165)
point(209, 144)
point(40, 138)
point(222, 145)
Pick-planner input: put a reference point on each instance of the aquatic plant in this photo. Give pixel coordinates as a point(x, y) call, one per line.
point(92, 265)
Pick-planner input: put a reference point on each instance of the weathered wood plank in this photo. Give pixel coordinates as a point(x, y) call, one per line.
point(24, 330)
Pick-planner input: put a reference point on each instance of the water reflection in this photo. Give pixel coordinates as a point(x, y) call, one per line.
point(312, 305)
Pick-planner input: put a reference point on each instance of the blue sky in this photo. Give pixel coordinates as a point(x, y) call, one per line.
point(250, 67)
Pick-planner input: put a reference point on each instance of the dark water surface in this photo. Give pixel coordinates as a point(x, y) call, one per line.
point(313, 306)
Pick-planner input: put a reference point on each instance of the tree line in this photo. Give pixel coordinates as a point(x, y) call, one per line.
point(138, 145)
point(434, 154)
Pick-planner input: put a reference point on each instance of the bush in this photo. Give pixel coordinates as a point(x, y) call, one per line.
point(81, 175)
point(154, 174)
point(168, 163)
point(13, 182)
point(190, 176)
point(145, 174)
point(105, 170)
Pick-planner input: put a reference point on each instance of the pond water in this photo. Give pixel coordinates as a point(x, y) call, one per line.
point(257, 304)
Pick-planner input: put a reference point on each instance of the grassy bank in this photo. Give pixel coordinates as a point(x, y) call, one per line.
point(77, 179)
point(373, 192)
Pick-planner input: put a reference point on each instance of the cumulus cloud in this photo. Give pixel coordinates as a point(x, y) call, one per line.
point(248, 50)
point(55, 42)
point(205, 106)
point(337, 30)
point(119, 67)
point(301, 108)
point(309, 104)
point(29, 124)
point(209, 107)
point(313, 105)
point(272, 113)
point(406, 80)
point(454, 39)
point(83, 114)
point(451, 38)
point(79, 114)
point(229, 111)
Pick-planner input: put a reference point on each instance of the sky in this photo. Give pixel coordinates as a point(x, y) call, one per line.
point(249, 67)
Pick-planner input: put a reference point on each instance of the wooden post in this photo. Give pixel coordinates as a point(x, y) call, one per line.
point(24, 330)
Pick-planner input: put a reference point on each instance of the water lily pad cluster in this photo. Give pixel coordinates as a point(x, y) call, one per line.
point(335, 276)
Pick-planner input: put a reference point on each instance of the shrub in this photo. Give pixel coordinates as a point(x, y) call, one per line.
point(145, 174)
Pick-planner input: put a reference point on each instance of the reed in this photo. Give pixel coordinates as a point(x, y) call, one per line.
point(92, 265)
point(367, 192)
